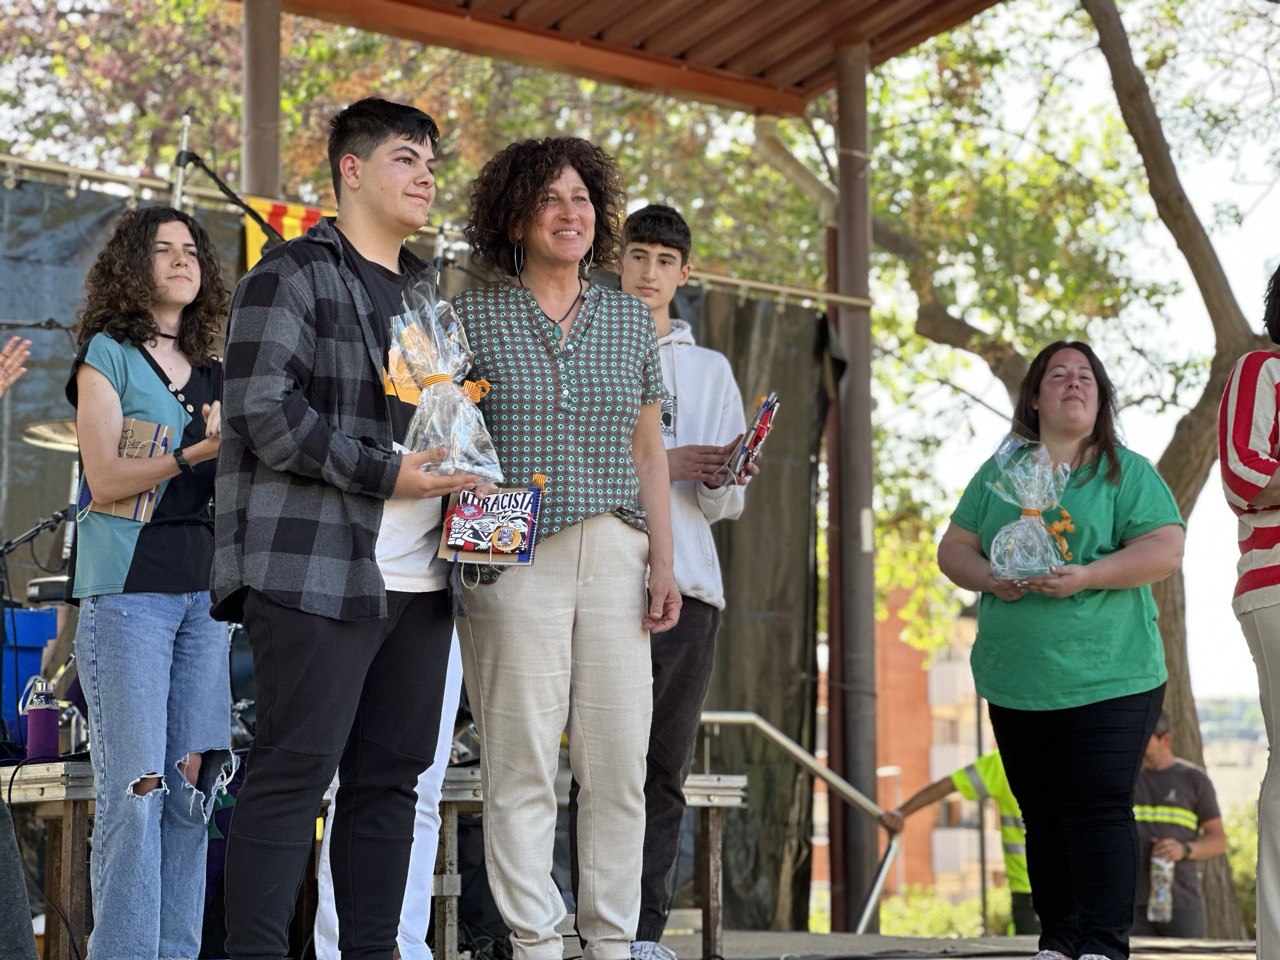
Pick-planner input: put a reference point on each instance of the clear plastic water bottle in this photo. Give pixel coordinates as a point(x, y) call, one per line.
point(1160, 899)
point(42, 712)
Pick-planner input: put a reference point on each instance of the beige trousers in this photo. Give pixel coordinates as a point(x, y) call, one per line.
point(1262, 631)
point(553, 647)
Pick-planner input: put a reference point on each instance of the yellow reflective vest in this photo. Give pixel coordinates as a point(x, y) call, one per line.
point(985, 778)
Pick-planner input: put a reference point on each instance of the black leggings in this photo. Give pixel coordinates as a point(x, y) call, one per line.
point(1073, 772)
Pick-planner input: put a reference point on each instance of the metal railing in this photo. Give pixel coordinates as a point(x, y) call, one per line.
point(838, 784)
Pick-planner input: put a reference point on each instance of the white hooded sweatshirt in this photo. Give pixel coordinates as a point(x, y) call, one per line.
point(703, 406)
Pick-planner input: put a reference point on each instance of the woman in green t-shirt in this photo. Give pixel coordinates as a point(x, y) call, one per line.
point(1071, 664)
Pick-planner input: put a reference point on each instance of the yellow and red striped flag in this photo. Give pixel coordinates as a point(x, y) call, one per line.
point(291, 219)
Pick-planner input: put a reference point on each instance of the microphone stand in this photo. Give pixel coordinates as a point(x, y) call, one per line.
point(186, 157)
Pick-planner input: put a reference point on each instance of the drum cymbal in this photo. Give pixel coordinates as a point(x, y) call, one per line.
point(57, 435)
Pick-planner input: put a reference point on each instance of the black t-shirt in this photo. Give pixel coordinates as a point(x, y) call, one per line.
point(174, 550)
point(1174, 802)
point(386, 290)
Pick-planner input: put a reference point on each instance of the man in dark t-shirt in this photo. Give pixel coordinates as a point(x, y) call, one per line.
point(352, 662)
point(1178, 820)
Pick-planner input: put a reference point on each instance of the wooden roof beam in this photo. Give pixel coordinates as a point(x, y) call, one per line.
point(642, 20)
point(939, 18)
point(493, 8)
point(885, 16)
point(591, 19)
point(826, 20)
point(485, 36)
point(683, 32)
point(747, 27)
point(804, 64)
point(543, 14)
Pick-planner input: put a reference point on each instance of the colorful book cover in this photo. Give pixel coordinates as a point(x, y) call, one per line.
point(139, 439)
point(498, 529)
point(753, 439)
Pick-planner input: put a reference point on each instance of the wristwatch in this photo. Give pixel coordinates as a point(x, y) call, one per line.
point(183, 466)
point(1186, 850)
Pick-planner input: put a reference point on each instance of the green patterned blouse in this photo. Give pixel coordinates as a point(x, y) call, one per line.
point(567, 410)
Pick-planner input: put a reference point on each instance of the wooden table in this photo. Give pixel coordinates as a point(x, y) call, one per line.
point(61, 794)
point(712, 794)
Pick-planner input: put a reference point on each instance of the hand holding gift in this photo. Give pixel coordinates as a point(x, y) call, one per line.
point(1029, 480)
point(430, 353)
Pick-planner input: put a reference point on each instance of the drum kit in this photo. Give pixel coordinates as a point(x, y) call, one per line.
point(60, 436)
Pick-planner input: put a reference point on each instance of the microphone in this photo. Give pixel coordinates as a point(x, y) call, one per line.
point(69, 535)
point(181, 160)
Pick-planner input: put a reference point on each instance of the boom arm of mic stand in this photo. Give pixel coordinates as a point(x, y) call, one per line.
point(11, 545)
point(274, 236)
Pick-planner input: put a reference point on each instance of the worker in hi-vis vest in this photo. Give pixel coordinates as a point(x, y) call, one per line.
point(982, 779)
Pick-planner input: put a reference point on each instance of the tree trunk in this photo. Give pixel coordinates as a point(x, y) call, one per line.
point(1187, 460)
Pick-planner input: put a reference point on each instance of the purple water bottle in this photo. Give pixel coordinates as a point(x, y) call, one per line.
point(43, 711)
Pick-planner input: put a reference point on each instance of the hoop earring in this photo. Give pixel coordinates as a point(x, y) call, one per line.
point(586, 262)
point(517, 258)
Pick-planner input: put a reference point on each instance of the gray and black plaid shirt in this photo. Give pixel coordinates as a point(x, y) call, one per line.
point(307, 457)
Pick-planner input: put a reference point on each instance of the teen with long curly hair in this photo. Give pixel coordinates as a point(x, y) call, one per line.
point(152, 661)
point(564, 644)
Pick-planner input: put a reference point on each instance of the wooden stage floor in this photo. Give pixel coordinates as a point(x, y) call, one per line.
point(772, 945)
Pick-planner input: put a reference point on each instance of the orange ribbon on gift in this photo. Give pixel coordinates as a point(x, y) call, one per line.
point(476, 390)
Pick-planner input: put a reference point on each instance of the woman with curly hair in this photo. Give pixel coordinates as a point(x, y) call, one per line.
point(564, 644)
point(152, 661)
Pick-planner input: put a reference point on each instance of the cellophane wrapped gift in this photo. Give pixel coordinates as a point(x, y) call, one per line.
point(430, 353)
point(1029, 480)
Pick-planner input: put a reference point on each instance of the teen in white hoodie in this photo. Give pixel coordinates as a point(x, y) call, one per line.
point(702, 417)
point(702, 422)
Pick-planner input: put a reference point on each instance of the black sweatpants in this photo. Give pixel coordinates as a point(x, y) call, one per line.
point(682, 660)
point(1074, 772)
point(360, 697)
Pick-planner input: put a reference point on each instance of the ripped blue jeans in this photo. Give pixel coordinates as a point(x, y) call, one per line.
point(154, 671)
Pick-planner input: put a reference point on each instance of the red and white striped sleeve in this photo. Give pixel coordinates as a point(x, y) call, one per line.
point(1247, 429)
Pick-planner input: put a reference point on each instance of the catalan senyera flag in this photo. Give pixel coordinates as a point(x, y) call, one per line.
point(291, 219)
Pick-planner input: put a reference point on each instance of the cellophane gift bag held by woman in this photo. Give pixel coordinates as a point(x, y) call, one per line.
point(430, 353)
point(1029, 480)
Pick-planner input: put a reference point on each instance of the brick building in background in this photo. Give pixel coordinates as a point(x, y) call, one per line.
point(904, 732)
point(928, 727)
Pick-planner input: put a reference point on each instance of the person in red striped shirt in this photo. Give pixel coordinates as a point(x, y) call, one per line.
point(1249, 457)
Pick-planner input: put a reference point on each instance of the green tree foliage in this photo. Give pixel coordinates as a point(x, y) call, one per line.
point(1242, 855)
point(921, 913)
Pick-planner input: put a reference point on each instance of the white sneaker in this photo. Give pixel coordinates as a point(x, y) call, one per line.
point(652, 950)
point(1054, 955)
point(1093, 956)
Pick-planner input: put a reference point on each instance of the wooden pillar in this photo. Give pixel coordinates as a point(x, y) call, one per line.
point(840, 812)
point(260, 156)
point(709, 868)
point(857, 532)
